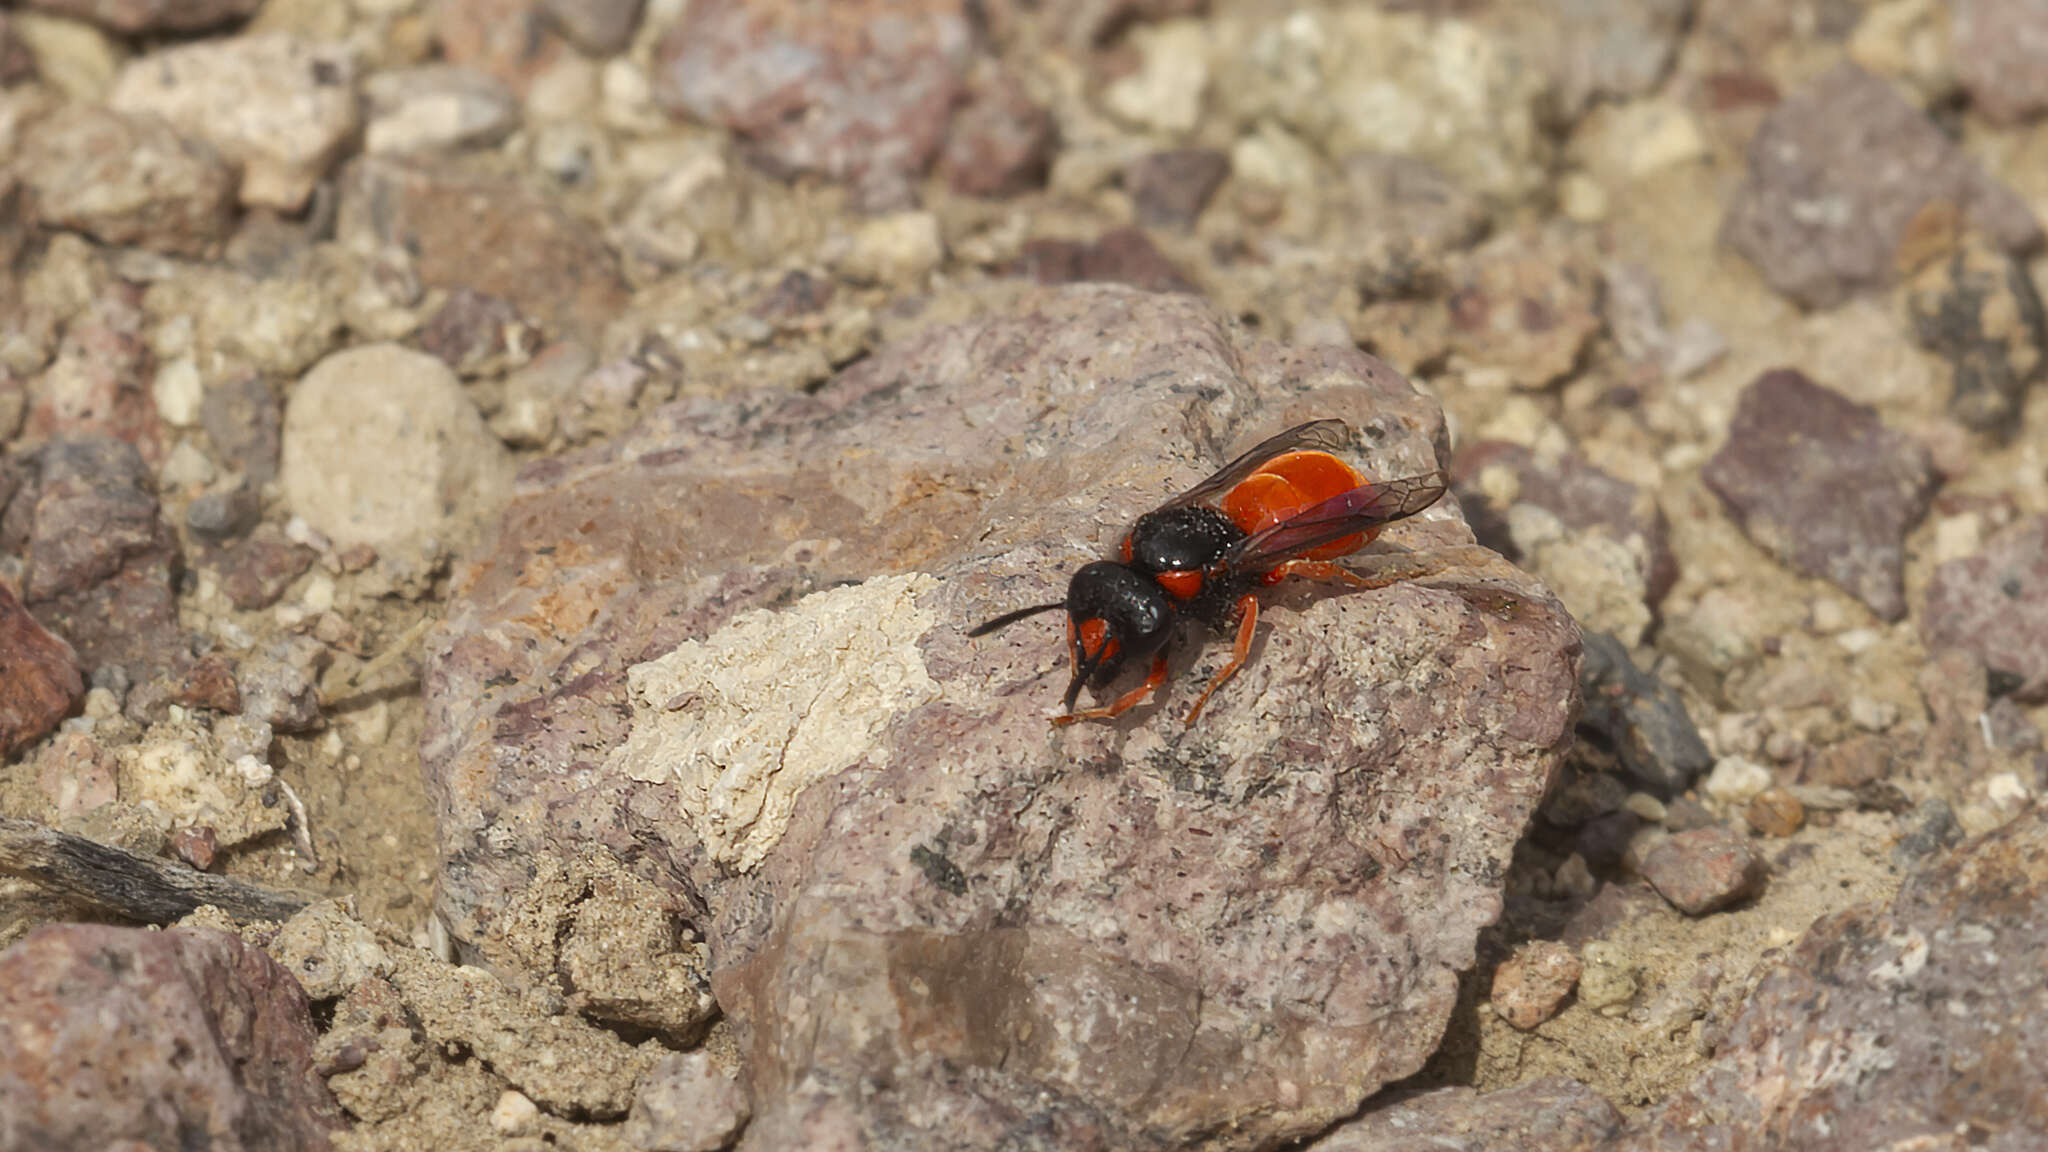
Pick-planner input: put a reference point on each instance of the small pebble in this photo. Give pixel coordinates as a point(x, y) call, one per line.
point(1703, 870)
point(1530, 986)
point(1735, 780)
point(514, 1113)
point(1775, 812)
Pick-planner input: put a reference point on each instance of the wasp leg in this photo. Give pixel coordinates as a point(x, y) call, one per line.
point(1248, 619)
point(1125, 702)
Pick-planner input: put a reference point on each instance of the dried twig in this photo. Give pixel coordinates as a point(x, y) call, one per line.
point(130, 886)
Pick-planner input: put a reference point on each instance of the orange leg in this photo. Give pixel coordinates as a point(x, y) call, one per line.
point(1125, 702)
point(1248, 619)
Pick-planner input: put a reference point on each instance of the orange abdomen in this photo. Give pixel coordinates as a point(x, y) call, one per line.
point(1290, 484)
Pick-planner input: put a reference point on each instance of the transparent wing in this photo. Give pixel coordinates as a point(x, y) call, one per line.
point(1333, 519)
point(1325, 435)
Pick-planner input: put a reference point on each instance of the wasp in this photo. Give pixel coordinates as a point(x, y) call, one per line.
point(1287, 508)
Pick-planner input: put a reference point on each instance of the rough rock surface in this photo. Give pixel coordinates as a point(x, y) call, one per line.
point(1548, 1115)
point(1848, 140)
point(281, 108)
point(859, 90)
point(1994, 605)
point(1704, 869)
point(1818, 480)
point(39, 681)
point(118, 1037)
point(1234, 931)
point(1916, 1025)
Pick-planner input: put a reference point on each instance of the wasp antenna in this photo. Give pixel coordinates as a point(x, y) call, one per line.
point(1009, 618)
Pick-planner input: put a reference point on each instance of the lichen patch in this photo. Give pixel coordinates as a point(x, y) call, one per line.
point(749, 717)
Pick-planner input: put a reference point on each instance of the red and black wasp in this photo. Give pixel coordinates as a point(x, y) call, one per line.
point(1286, 508)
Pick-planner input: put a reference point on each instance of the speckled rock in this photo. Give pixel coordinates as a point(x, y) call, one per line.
point(1531, 985)
point(493, 235)
point(1522, 307)
point(382, 447)
point(687, 1104)
point(99, 557)
point(119, 1037)
point(1912, 1025)
point(1703, 870)
point(1978, 310)
point(190, 777)
point(281, 108)
point(1818, 480)
point(39, 680)
point(98, 385)
point(1136, 913)
point(1994, 605)
point(2001, 55)
point(1850, 141)
point(1547, 1115)
point(128, 180)
point(859, 90)
point(129, 17)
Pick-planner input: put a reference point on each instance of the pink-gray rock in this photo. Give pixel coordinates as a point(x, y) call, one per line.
point(39, 680)
point(855, 90)
point(1838, 172)
point(599, 27)
point(493, 235)
point(1548, 1115)
point(1915, 1025)
point(1817, 480)
point(934, 920)
point(256, 571)
point(1119, 256)
point(1523, 306)
point(17, 63)
point(128, 180)
point(687, 1104)
point(1703, 870)
point(124, 1038)
point(99, 383)
point(1000, 142)
point(479, 335)
point(1169, 189)
point(1994, 605)
point(130, 17)
point(2001, 54)
point(99, 557)
point(1530, 986)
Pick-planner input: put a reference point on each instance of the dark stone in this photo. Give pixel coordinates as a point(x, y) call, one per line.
point(256, 571)
point(223, 514)
point(1818, 480)
point(1977, 309)
point(1639, 720)
point(1169, 189)
point(1120, 256)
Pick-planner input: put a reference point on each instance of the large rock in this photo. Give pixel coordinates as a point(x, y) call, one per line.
point(1914, 1026)
point(122, 1038)
point(730, 649)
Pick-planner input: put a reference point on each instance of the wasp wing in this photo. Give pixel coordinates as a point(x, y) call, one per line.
point(1335, 518)
point(1326, 435)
